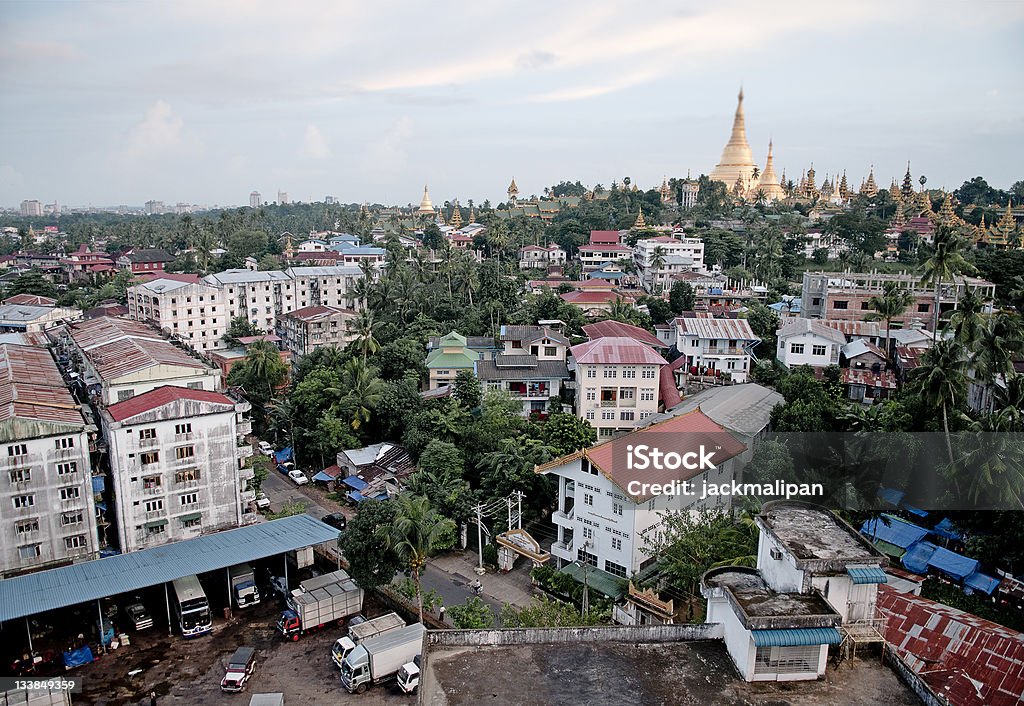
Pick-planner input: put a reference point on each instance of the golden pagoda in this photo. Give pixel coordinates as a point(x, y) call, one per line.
point(870, 187)
point(810, 188)
point(426, 205)
point(472, 215)
point(907, 190)
point(456, 220)
point(666, 193)
point(899, 221)
point(640, 219)
point(894, 191)
point(737, 162)
point(924, 203)
point(844, 189)
point(1002, 231)
point(768, 185)
point(947, 216)
point(513, 192)
point(980, 234)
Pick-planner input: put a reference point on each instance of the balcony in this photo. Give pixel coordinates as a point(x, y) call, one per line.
point(248, 496)
point(245, 450)
point(570, 489)
point(244, 426)
point(149, 443)
point(564, 519)
point(187, 436)
point(246, 473)
point(153, 490)
point(724, 350)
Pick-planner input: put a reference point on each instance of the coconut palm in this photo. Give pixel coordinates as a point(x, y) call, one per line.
point(944, 264)
point(944, 379)
point(365, 328)
point(968, 319)
point(364, 389)
point(892, 302)
point(412, 535)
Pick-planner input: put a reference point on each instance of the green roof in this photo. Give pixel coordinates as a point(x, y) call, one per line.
point(191, 516)
point(439, 359)
point(600, 581)
point(889, 549)
point(453, 338)
point(155, 523)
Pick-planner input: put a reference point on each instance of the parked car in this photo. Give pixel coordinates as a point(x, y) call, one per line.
point(240, 667)
point(139, 616)
point(298, 477)
point(335, 520)
point(266, 448)
point(262, 501)
point(285, 467)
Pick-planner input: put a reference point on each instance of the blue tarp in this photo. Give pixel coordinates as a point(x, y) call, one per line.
point(954, 565)
point(891, 495)
point(893, 530)
point(792, 637)
point(980, 582)
point(917, 556)
point(915, 510)
point(355, 482)
point(283, 455)
point(76, 658)
point(359, 497)
point(98, 484)
point(323, 477)
point(946, 530)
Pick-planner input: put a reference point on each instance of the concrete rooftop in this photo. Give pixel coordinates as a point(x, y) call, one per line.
point(813, 534)
point(758, 602)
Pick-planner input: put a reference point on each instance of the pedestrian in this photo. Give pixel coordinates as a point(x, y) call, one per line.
point(441, 613)
point(152, 698)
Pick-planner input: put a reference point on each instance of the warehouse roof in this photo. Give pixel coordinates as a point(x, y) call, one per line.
point(90, 580)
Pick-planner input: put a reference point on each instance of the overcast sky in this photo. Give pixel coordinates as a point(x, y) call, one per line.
point(202, 101)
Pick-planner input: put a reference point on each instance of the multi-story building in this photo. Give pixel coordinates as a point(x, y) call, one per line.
point(604, 246)
point(304, 330)
point(531, 366)
point(85, 264)
point(605, 514)
point(451, 355)
point(618, 384)
point(31, 207)
point(847, 295)
point(255, 199)
point(195, 312)
point(808, 342)
point(47, 511)
point(537, 257)
point(117, 359)
point(33, 319)
point(144, 260)
point(716, 346)
point(177, 459)
point(659, 259)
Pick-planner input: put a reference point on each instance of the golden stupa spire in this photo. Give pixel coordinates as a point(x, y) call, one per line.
point(907, 189)
point(1003, 229)
point(456, 220)
point(737, 161)
point(768, 183)
point(870, 187)
point(472, 215)
point(426, 206)
point(894, 191)
point(844, 189)
point(640, 219)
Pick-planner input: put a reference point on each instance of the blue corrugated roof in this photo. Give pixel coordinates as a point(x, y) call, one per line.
point(796, 636)
point(79, 583)
point(866, 574)
point(893, 530)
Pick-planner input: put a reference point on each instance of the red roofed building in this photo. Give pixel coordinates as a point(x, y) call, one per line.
point(618, 384)
point(30, 300)
point(964, 659)
point(594, 303)
point(611, 328)
point(84, 264)
point(606, 505)
point(177, 460)
point(304, 330)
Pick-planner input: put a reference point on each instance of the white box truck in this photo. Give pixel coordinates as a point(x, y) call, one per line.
point(318, 602)
point(243, 586)
point(364, 630)
point(378, 659)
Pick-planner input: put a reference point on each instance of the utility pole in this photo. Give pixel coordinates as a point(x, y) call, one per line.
point(480, 534)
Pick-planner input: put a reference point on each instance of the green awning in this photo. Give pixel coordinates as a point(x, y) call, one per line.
point(155, 523)
point(191, 516)
point(796, 636)
point(866, 574)
point(598, 580)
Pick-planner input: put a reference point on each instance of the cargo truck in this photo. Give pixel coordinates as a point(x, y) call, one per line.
point(243, 586)
point(378, 659)
point(318, 602)
point(409, 676)
point(363, 630)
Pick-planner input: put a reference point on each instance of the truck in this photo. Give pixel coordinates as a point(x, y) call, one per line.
point(363, 630)
point(320, 601)
point(409, 676)
point(243, 586)
point(378, 659)
point(191, 607)
point(240, 667)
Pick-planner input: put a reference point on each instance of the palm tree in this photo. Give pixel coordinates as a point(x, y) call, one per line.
point(365, 390)
point(968, 319)
point(265, 365)
point(945, 263)
point(892, 302)
point(412, 535)
point(998, 343)
point(944, 379)
point(365, 327)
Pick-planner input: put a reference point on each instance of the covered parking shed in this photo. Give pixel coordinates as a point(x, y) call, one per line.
point(23, 596)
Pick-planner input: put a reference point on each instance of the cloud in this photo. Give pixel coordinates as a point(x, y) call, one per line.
point(314, 144)
point(387, 154)
point(574, 93)
point(159, 131)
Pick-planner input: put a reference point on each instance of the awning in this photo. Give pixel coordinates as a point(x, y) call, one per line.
point(322, 477)
point(866, 574)
point(796, 637)
point(355, 482)
point(191, 516)
point(155, 523)
point(597, 580)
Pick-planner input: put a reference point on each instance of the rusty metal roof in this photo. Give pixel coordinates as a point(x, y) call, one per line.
point(604, 329)
point(118, 347)
point(731, 329)
point(616, 350)
point(45, 398)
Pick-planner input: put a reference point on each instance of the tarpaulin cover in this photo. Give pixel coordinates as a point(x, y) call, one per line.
point(76, 658)
point(917, 556)
point(283, 455)
point(946, 530)
point(98, 484)
point(891, 496)
point(893, 530)
point(981, 582)
point(355, 482)
point(915, 510)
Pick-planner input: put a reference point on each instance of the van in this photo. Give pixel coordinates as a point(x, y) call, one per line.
point(240, 667)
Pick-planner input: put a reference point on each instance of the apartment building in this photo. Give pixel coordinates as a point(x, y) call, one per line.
point(847, 295)
point(116, 359)
point(659, 259)
point(716, 346)
point(47, 511)
point(537, 257)
point(808, 342)
point(176, 458)
point(531, 366)
point(451, 355)
point(195, 312)
point(304, 330)
point(618, 383)
point(604, 246)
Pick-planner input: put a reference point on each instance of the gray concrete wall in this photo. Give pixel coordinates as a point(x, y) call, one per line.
point(542, 636)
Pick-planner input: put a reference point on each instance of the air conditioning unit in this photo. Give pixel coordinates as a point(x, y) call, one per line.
point(775, 554)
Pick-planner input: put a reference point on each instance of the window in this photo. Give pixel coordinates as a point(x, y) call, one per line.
point(617, 569)
point(650, 505)
point(189, 499)
point(123, 395)
point(191, 522)
point(71, 518)
point(647, 395)
point(590, 415)
point(156, 529)
point(151, 483)
point(184, 452)
point(550, 351)
point(588, 499)
point(194, 386)
point(923, 308)
point(32, 551)
point(815, 301)
point(591, 372)
point(27, 526)
point(610, 372)
point(149, 457)
point(627, 416)
point(154, 505)
point(796, 348)
point(21, 475)
point(589, 558)
point(617, 508)
point(147, 433)
point(71, 492)
point(591, 395)
point(865, 305)
point(190, 475)
point(17, 450)
point(588, 533)
point(649, 373)
point(817, 350)
point(66, 469)
point(76, 542)
point(608, 415)
point(616, 544)
point(629, 372)
point(21, 501)
point(65, 443)
point(842, 304)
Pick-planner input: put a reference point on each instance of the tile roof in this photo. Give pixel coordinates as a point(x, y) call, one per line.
point(965, 659)
point(604, 237)
point(162, 396)
point(32, 388)
point(617, 329)
point(730, 329)
point(885, 380)
point(117, 347)
point(30, 300)
point(530, 334)
point(616, 350)
point(798, 327)
point(600, 297)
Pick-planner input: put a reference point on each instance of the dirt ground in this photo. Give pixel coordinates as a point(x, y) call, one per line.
point(188, 672)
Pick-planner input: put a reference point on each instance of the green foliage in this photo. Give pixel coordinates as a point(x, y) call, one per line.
point(31, 282)
point(681, 297)
point(490, 555)
point(292, 507)
point(764, 322)
point(566, 433)
point(467, 389)
point(415, 532)
point(240, 327)
point(976, 604)
point(261, 466)
point(474, 614)
point(546, 612)
point(372, 563)
point(260, 373)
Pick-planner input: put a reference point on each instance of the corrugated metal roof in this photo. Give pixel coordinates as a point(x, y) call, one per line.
point(616, 350)
point(729, 329)
point(31, 387)
point(605, 329)
point(161, 396)
point(866, 574)
point(90, 580)
point(793, 637)
point(541, 370)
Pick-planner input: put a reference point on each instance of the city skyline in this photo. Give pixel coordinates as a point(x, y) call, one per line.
point(203, 103)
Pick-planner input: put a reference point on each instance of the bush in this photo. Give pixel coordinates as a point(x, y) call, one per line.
point(474, 614)
point(490, 554)
point(446, 539)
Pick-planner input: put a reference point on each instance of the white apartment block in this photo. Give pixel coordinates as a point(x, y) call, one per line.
point(176, 459)
point(536, 257)
point(678, 255)
point(617, 384)
point(808, 342)
point(716, 346)
point(603, 515)
point(47, 510)
point(193, 311)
